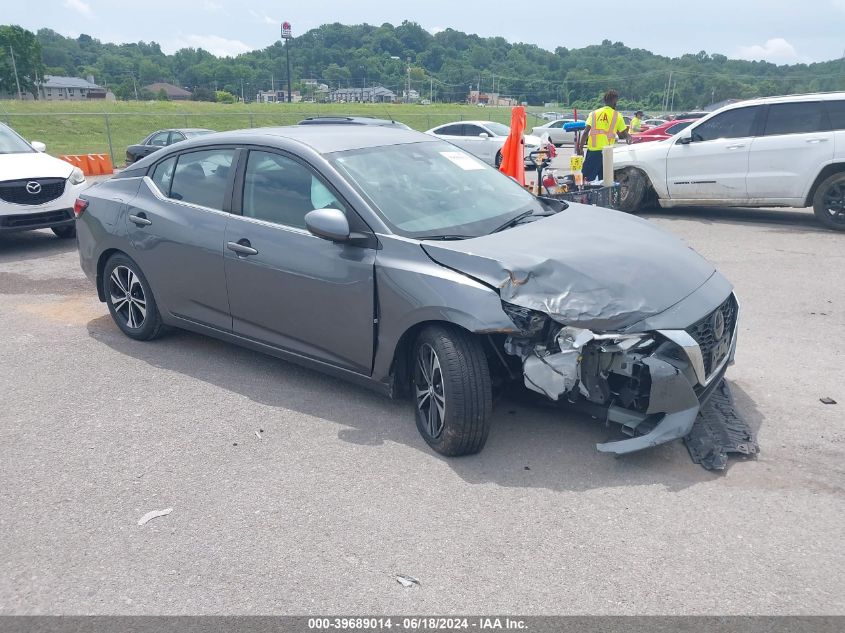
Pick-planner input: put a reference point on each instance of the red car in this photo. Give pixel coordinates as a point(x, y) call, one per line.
point(660, 132)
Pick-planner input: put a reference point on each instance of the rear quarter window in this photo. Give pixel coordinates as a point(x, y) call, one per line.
point(836, 114)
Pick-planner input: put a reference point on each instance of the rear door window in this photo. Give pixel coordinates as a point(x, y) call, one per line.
point(451, 130)
point(202, 178)
point(801, 117)
point(737, 123)
point(163, 175)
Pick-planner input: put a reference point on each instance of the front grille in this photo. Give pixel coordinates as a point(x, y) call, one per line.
point(35, 220)
point(713, 349)
point(47, 189)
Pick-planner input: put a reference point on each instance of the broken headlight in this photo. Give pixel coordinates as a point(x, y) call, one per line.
point(530, 322)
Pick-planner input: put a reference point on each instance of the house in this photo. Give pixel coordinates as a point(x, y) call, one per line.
point(373, 94)
point(277, 96)
point(56, 88)
point(174, 93)
point(493, 99)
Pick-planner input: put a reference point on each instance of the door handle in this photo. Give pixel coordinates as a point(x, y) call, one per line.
point(242, 247)
point(735, 146)
point(140, 219)
point(813, 141)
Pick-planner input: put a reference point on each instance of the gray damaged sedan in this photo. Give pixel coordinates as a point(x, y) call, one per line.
point(402, 263)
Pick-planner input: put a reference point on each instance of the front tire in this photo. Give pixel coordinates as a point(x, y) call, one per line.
point(130, 299)
point(64, 232)
point(633, 185)
point(829, 202)
point(452, 391)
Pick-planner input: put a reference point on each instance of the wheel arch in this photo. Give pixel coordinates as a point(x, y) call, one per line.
point(101, 267)
point(826, 172)
point(400, 367)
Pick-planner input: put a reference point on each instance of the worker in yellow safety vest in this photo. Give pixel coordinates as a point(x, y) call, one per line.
point(636, 122)
point(603, 127)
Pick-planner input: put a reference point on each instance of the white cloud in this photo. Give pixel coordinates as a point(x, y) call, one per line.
point(263, 17)
point(79, 6)
point(434, 30)
point(776, 49)
point(213, 7)
point(214, 44)
point(838, 4)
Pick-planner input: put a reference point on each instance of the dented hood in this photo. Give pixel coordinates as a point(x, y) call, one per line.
point(586, 266)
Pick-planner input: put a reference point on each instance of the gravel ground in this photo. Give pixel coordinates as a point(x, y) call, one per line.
point(337, 492)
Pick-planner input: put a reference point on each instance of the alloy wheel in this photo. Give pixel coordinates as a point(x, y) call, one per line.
point(430, 393)
point(834, 202)
point(127, 297)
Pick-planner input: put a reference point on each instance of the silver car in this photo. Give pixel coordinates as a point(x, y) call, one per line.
point(400, 262)
point(484, 139)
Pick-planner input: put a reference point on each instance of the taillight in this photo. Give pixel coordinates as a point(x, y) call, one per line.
point(79, 207)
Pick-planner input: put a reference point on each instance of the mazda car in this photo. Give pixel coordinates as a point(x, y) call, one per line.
point(37, 191)
point(402, 263)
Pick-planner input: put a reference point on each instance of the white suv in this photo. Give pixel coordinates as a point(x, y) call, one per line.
point(773, 152)
point(37, 191)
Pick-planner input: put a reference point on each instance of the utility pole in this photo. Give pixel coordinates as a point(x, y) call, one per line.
point(431, 90)
point(242, 91)
point(135, 87)
point(408, 91)
point(15, 67)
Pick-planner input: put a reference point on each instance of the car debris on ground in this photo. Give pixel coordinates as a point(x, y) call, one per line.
point(407, 581)
point(154, 514)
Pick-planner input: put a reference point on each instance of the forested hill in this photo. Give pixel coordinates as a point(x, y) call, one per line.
point(444, 65)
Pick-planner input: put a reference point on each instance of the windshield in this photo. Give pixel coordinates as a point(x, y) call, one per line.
point(498, 129)
point(11, 143)
point(434, 189)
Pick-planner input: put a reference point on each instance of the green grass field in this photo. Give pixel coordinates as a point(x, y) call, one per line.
point(84, 127)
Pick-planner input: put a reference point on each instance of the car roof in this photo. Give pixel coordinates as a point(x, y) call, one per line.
point(346, 120)
point(325, 138)
point(810, 96)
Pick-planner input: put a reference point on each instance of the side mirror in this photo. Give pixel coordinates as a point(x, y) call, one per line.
point(685, 140)
point(38, 146)
point(329, 224)
point(484, 135)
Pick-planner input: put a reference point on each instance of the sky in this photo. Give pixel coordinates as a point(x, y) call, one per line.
point(779, 31)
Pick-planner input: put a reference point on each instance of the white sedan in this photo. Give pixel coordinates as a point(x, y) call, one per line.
point(483, 139)
point(557, 134)
point(37, 191)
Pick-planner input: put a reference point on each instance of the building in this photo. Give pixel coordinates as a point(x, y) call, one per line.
point(55, 88)
point(492, 99)
point(410, 96)
point(174, 93)
point(373, 94)
point(277, 96)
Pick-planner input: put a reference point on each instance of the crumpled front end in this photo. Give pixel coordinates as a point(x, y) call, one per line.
point(651, 383)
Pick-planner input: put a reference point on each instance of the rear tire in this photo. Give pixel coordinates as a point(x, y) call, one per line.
point(829, 202)
point(130, 299)
point(64, 232)
point(451, 387)
point(633, 186)
point(498, 160)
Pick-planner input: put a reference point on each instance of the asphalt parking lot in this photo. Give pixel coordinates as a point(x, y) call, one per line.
point(294, 493)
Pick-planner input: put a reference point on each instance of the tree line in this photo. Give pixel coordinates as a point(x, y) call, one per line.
point(442, 67)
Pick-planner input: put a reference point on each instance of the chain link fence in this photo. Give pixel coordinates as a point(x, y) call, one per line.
point(111, 133)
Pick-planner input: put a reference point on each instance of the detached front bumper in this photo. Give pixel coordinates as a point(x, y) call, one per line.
point(653, 384)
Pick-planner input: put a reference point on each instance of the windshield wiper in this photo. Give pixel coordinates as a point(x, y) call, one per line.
point(513, 221)
point(445, 237)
